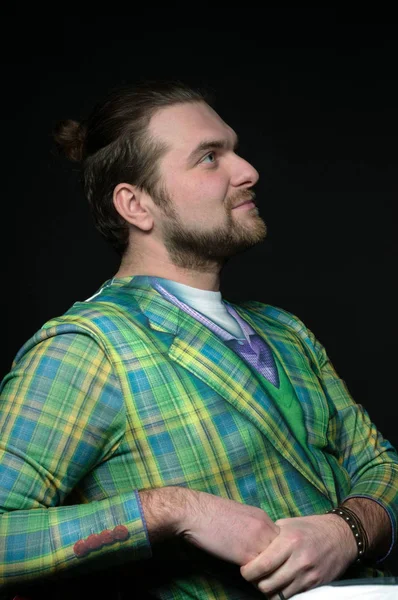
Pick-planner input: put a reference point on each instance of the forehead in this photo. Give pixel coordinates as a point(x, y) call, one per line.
point(184, 126)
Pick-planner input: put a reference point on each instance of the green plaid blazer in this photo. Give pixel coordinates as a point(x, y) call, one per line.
point(127, 392)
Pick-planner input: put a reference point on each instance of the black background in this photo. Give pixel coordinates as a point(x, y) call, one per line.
point(312, 94)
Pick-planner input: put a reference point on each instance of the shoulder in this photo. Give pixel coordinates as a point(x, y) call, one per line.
point(275, 313)
point(95, 326)
point(81, 329)
point(100, 313)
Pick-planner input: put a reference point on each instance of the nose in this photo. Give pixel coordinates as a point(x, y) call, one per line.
point(243, 173)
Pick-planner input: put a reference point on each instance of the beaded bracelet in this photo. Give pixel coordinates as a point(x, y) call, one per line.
point(356, 527)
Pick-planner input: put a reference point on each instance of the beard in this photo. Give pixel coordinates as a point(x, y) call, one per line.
point(199, 249)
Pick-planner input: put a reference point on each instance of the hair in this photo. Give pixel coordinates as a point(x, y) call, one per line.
point(113, 146)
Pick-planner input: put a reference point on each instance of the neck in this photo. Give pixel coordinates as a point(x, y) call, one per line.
point(139, 262)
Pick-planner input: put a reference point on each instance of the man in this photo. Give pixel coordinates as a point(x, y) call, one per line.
point(203, 443)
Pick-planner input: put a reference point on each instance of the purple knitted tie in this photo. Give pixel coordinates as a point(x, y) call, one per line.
point(254, 350)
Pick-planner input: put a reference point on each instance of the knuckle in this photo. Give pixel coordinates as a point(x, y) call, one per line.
point(263, 529)
point(296, 539)
point(306, 561)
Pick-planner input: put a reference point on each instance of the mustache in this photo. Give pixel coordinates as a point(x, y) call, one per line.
point(240, 197)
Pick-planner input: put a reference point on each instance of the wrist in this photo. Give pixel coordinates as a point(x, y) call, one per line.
point(376, 523)
point(354, 529)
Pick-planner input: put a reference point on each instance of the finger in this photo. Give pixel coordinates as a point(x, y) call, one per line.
point(288, 592)
point(281, 595)
point(288, 579)
point(273, 557)
point(280, 580)
point(278, 596)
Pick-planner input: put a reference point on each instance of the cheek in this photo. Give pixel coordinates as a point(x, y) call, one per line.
point(196, 194)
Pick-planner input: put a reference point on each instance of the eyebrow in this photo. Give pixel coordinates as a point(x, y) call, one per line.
point(206, 145)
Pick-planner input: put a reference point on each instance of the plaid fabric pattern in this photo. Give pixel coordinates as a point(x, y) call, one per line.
point(253, 349)
point(127, 392)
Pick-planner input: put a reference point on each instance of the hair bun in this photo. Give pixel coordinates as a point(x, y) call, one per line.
point(70, 136)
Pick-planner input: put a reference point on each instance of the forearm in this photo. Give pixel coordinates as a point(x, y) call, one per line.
point(376, 523)
point(165, 509)
point(230, 530)
point(45, 541)
point(374, 496)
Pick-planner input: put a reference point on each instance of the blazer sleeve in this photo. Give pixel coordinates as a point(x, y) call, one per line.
point(61, 414)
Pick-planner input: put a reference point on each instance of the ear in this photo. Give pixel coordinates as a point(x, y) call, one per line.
point(132, 204)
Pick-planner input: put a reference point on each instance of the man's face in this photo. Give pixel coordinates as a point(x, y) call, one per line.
point(205, 210)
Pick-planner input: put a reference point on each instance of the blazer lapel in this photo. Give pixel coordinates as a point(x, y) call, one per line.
point(302, 377)
point(201, 352)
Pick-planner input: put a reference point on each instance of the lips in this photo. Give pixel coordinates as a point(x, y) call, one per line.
point(243, 198)
point(246, 204)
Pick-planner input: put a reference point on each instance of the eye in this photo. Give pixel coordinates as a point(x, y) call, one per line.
point(209, 158)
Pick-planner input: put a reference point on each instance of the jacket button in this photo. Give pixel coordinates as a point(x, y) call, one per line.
point(80, 548)
point(120, 532)
point(94, 541)
point(107, 536)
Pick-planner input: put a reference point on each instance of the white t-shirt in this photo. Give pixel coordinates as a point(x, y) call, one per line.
point(206, 302)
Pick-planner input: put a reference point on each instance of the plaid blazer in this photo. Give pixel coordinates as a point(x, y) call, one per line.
point(127, 392)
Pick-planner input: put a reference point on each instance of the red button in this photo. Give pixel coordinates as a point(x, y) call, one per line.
point(80, 548)
point(107, 536)
point(94, 541)
point(120, 532)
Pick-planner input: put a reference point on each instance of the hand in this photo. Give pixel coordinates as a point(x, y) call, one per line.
point(307, 552)
point(227, 529)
